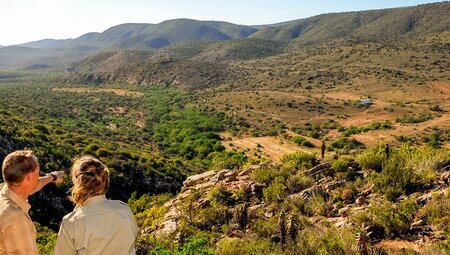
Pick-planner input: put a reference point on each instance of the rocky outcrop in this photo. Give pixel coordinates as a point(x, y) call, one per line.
point(241, 216)
point(230, 179)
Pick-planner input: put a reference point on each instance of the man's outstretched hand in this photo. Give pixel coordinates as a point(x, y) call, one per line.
point(59, 176)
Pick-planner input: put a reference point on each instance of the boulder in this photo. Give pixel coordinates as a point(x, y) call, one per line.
point(442, 164)
point(198, 178)
point(445, 176)
point(343, 212)
point(361, 200)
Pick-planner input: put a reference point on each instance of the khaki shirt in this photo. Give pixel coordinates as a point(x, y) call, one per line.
point(17, 231)
point(99, 227)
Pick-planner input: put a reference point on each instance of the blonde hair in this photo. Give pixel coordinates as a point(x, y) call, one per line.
point(90, 178)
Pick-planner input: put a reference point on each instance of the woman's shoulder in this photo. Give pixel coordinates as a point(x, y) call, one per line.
point(117, 204)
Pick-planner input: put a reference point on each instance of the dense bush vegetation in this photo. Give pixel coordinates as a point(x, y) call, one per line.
point(147, 136)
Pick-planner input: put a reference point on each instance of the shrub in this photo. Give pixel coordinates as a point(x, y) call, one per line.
point(265, 227)
point(324, 241)
point(227, 159)
point(149, 210)
point(437, 212)
point(298, 182)
point(435, 108)
point(409, 119)
point(239, 195)
point(395, 220)
point(342, 168)
point(298, 139)
point(300, 159)
point(346, 144)
point(212, 216)
point(394, 179)
point(314, 134)
point(102, 152)
point(317, 205)
point(407, 170)
point(219, 195)
point(237, 246)
point(264, 174)
point(372, 158)
point(195, 245)
point(46, 239)
point(434, 140)
point(275, 191)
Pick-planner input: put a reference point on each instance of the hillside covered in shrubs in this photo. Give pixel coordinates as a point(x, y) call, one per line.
point(375, 202)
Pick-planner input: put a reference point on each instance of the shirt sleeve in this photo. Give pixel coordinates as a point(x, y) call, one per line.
point(135, 226)
point(64, 243)
point(18, 239)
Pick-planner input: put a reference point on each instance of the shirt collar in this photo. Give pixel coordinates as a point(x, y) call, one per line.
point(95, 199)
point(9, 193)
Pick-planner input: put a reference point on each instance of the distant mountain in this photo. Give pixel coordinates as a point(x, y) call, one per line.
point(45, 43)
point(153, 36)
point(379, 26)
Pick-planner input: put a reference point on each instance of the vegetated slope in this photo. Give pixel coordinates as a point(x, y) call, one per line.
point(303, 206)
point(387, 25)
point(274, 85)
point(148, 137)
point(338, 38)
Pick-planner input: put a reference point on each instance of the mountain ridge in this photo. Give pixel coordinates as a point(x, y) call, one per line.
point(380, 26)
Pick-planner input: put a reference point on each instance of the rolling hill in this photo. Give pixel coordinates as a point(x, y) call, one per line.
point(377, 26)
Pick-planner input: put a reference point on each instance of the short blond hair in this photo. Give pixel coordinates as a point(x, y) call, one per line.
point(90, 178)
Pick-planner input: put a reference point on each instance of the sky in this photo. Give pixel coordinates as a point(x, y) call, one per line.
point(30, 20)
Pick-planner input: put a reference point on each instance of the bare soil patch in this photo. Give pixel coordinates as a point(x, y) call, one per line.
point(272, 148)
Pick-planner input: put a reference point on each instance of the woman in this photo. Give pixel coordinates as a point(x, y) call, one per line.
point(97, 225)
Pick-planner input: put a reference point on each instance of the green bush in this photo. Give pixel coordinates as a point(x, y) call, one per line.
point(328, 241)
point(434, 140)
point(276, 191)
point(237, 246)
point(317, 205)
point(395, 220)
point(395, 179)
point(194, 245)
point(210, 217)
point(437, 212)
point(343, 169)
point(264, 174)
point(265, 227)
point(227, 159)
point(298, 182)
point(300, 160)
point(46, 239)
point(372, 158)
point(409, 119)
point(219, 195)
point(298, 139)
point(345, 144)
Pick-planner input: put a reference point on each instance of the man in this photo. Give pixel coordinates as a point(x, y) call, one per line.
point(20, 171)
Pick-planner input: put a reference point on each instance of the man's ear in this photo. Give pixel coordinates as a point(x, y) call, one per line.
point(28, 176)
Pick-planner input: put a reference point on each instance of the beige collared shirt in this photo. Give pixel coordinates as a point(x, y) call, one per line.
point(17, 231)
point(99, 227)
